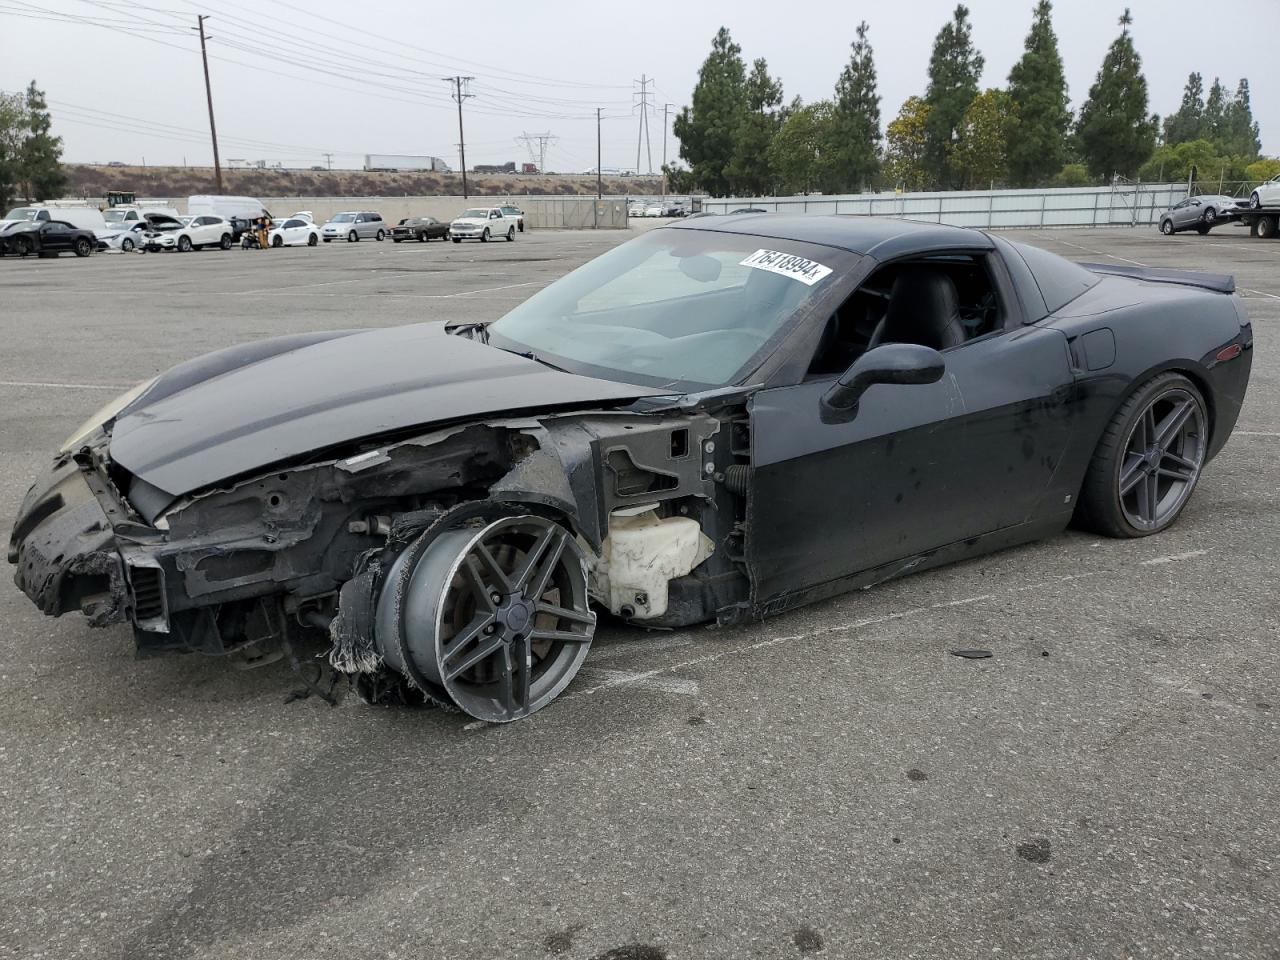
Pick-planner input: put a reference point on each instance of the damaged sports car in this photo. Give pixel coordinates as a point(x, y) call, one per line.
point(720, 419)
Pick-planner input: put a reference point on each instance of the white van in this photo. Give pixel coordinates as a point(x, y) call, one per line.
point(86, 218)
point(243, 208)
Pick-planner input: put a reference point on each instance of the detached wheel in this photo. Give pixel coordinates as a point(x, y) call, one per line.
point(184, 244)
point(1148, 461)
point(83, 248)
point(494, 616)
point(1166, 227)
point(1266, 227)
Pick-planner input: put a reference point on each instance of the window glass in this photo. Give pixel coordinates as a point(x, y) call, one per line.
point(675, 309)
point(1060, 281)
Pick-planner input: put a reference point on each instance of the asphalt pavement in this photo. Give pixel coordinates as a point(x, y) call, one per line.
point(828, 783)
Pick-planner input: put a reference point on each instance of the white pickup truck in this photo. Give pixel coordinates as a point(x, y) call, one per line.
point(485, 224)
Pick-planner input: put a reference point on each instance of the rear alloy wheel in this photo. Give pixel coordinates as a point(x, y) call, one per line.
point(83, 248)
point(184, 244)
point(225, 241)
point(1166, 227)
point(1266, 226)
point(495, 616)
point(312, 240)
point(126, 245)
point(381, 234)
point(1148, 460)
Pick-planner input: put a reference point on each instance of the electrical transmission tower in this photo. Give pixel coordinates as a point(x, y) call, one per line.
point(460, 93)
point(642, 104)
point(539, 157)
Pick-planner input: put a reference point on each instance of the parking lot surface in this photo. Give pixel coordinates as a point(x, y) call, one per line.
point(831, 782)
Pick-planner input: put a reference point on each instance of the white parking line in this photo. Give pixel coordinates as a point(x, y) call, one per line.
point(118, 387)
point(1260, 293)
point(1255, 433)
point(1173, 558)
point(1100, 253)
point(322, 283)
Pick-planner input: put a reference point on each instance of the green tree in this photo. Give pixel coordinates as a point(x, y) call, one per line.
point(1173, 163)
point(1215, 112)
point(1037, 146)
point(1188, 123)
point(1072, 175)
point(749, 171)
point(905, 142)
point(1116, 134)
point(981, 154)
point(1242, 131)
point(708, 127)
point(1264, 169)
point(41, 151)
point(13, 128)
point(855, 125)
point(679, 179)
point(954, 70)
point(799, 153)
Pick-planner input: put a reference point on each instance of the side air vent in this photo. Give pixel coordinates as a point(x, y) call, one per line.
point(148, 598)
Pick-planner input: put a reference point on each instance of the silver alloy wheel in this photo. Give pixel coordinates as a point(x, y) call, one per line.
point(1255, 200)
point(1163, 455)
point(494, 615)
point(126, 245)
point(1210, 215)
point(1166, 227)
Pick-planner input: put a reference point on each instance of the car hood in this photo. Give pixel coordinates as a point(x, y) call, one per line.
point(339, 225)
point(295, 403)
point(471, 221)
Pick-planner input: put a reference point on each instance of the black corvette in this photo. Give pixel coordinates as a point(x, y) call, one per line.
point(48, 238)
point(721, 419)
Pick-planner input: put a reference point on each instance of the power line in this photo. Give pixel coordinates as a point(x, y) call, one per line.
point(540, 156)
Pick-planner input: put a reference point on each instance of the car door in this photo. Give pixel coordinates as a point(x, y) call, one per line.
point(1187, 213)
point(56, 236)
point(919, 467)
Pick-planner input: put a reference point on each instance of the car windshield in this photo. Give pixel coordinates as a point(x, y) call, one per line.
point(686, 307)
point(114, 216)
point(344, 218)
point(481, 212)
point(22, 213)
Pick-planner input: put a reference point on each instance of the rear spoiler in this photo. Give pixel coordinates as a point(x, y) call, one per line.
point(1217, 282)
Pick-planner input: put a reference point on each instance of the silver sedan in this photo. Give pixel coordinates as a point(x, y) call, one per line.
point(1198, 213)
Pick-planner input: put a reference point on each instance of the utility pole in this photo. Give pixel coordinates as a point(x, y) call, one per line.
point(643, 130)
point(459, 94)
point(599, 169)
point(665, 108)
point(208, 92)
point(328, 159)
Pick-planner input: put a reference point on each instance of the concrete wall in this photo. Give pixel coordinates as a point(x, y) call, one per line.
point(1128, 204)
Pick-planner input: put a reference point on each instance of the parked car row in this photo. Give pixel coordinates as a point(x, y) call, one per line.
point(669, 207)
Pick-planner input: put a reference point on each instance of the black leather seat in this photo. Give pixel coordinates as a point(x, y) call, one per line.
point(923, 308)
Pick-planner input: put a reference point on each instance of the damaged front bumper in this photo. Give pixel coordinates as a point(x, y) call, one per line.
point(64, 546)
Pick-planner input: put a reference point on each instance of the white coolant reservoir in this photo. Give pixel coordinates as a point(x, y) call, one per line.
point(641, 554)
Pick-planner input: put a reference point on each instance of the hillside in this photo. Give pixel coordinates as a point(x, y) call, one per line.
point(95, 181)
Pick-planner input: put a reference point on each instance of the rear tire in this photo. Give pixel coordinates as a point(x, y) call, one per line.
point(1202, 229)
point(1148, 461)
point(380, 236)
point(225, 242)
point(1266, 227)
point(1255, 201)
point(312, 240)
point(1166, 227)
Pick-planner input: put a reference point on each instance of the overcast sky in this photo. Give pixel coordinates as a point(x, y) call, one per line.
point(539, 67)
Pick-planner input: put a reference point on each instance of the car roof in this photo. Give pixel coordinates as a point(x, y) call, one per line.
point(879, 237)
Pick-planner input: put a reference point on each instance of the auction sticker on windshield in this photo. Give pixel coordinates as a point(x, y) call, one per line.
point(787, 264)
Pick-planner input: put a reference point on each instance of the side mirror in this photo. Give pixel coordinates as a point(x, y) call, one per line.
point(889, 363)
